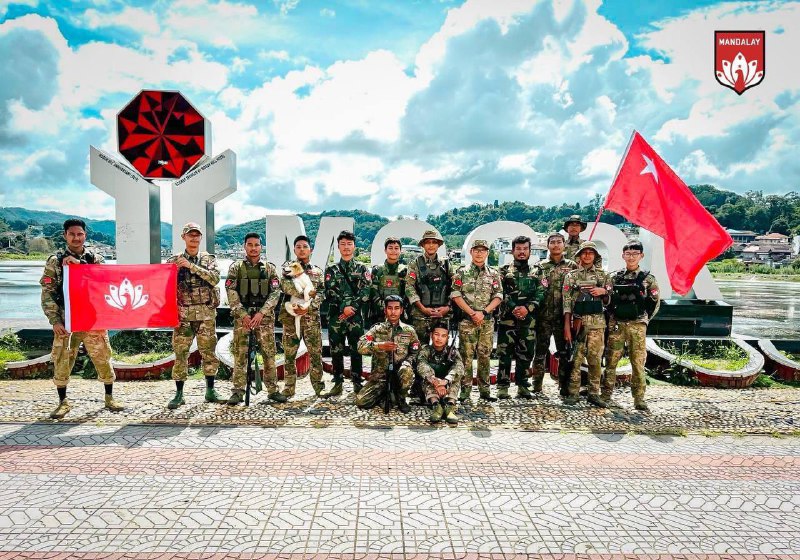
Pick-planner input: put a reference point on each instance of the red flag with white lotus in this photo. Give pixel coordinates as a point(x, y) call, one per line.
point(120, 296)
point(648, 193)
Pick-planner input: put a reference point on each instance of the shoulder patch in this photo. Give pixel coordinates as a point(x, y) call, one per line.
point(415, 346)
point(367, 274)
point(412, 274)
point(369, 338)
point(545, 282)
point(654, 292)
point(274, 283)
point(229, 282)
point(327, 276)
point(47, 280)
point(458, 282)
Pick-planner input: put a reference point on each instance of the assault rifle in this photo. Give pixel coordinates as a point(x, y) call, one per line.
point(253, 373)
point(391, 387)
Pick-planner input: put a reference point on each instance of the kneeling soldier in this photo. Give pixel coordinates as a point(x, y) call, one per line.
point(586, 291)
point(392, 345)
point(634, 302)
point(441, 370)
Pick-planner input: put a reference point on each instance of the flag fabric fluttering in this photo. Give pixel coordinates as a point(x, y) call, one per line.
point(648, 193)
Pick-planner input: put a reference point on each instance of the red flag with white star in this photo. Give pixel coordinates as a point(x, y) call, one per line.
point(120, 296)
point(650, 194)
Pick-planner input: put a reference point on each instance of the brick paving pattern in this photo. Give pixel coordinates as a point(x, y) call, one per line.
point(197, 492)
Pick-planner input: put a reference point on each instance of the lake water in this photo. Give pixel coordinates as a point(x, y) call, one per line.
point(763, 309)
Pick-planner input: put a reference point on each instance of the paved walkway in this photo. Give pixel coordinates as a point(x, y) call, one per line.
point(674, 410)
point(81, 491)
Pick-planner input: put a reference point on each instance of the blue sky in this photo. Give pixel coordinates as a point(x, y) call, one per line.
point(398, 107)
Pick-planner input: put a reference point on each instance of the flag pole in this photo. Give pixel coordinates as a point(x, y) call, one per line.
point(603, 206)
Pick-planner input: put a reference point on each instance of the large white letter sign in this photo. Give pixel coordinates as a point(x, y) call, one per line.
point(281, 231)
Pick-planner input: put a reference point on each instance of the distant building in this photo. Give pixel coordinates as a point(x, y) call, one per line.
point(742, 236)
point(772, 238)
point(766, 253)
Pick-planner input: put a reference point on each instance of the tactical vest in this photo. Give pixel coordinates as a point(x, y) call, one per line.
point(587, 304)
point(441, 362)
point(432, 284)
point(86, 258)
point(252, 284)
point(193, 290)
point(629, 300)
point(390, 284)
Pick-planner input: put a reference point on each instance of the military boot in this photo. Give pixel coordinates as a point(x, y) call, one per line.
point(237, 397)
point(641, 405)
point(538, 381)
point(486, 395)
point(523, 393)
point(357, 384)
point(597, 401)
point(288, 392)
point(113, 405)
point(450, 415)
point(278, 397)
point(502, 393)
point(571, 400)
point(61, 410)
point(176, 401)
point(402, 402)
point(436, 413)
point(335, 391)
point(212, 396)
point(465, 392)
point(318, 388)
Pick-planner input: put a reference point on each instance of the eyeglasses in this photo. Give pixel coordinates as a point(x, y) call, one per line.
point(631, 254)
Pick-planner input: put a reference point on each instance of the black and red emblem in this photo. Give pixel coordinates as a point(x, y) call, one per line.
point(739, 59)
point(161, 134)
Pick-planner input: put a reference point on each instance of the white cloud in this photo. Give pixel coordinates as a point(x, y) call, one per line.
point(327, 12)
point(286, 6)
point(137, 19)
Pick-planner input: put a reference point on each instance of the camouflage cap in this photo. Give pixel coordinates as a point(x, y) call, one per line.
point(431, 234)
point(585, 246)
point(575, 219)
point(479, 243)
point(192, 226)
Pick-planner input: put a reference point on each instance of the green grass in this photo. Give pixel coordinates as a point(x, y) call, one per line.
point(793, 357)
point(764, 381)
point(28, 257)
point(143, 358)
point(711, 355)
point(7, 355)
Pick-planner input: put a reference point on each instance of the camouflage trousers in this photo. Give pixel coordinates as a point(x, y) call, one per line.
point(311, 333)
point(371, 393)
point(620, 334)
point(422, 324)
point(476, 339)
point(265, 340)
point(65, 352)
point(516, 342)
point(544, 330)
point(182, 336)
point(590, 347)
point(453, 390)
point(343, 337)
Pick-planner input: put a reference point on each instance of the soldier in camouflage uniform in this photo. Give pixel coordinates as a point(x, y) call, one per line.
point(388, 279)
point(523, 294)
point(586, 291)
point(634, 302)
point(428, 285)
point(253, 292)
point(441, 370)
point(550, 319)
point(347, 287)
point(393, 346)
point(198, 298)
point(477, 292)
point(310, 327)
point(574, 225)
point(66, 344)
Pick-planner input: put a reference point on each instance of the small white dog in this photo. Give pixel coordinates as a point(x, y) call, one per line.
point(303, 285)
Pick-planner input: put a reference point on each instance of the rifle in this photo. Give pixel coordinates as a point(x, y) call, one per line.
point(391, 386)
point(253, 374)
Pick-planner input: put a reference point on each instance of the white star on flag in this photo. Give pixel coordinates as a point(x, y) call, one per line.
point(649, 168)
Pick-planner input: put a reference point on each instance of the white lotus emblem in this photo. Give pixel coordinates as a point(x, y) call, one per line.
point(740, 70)
point(126, 293)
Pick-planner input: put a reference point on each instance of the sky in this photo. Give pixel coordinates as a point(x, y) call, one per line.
point(397, 107)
